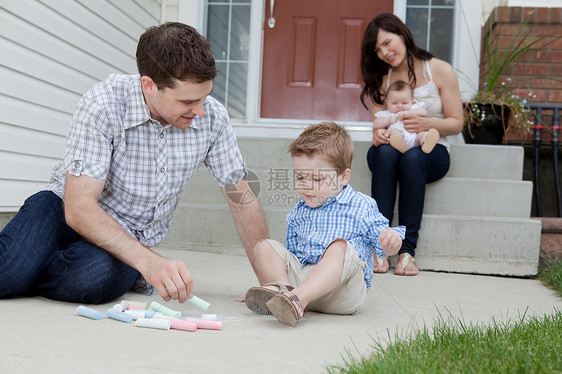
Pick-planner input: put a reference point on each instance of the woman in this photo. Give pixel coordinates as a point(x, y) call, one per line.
point(389, 54)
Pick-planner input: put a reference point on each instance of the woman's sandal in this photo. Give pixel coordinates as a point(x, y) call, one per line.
point(284, 309)
point(404, 263)
point(257, 297)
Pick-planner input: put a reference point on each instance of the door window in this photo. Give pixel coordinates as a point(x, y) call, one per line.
point(432, 24)
point(228, 31)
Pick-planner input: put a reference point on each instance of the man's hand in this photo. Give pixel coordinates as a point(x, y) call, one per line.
point(390, 241)
point(83, 213)
point(171, 278)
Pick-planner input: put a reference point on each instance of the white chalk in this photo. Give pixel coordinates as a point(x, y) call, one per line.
point(140, 304)
point(121, 307)
point(162, 316)
point(162, 324)
point(136, 314)
point(87, 312)
point(209, 317)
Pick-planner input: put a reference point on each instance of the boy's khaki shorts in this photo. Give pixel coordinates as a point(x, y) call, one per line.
point(350, 293)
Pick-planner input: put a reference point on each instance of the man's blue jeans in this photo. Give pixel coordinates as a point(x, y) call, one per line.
point(413, 170)
point(41, 255)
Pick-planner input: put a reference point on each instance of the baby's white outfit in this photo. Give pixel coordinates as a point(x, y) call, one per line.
point(409, 137)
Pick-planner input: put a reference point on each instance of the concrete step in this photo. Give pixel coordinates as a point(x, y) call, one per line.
point(459, 196)
point(479, 197)
point(468, 244)
point(467, 161)
point(476, 219)
point(480, 245)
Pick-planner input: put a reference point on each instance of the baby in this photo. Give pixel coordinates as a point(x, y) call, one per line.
point(399, 98)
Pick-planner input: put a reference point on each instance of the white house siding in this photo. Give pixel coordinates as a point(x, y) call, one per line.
point(51, 52)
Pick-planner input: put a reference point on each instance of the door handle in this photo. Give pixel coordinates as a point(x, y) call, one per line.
point(271, 20)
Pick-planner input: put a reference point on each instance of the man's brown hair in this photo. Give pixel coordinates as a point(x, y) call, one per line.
point(175, 51)
point(327, 139)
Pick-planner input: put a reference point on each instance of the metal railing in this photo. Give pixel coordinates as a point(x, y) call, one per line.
point(554, 127)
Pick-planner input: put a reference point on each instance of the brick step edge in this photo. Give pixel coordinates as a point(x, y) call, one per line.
point(550, 225)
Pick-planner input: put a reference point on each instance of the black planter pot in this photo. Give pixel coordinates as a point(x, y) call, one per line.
point(492, 124)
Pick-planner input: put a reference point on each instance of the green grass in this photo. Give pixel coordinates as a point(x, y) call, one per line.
point(528, 345)
point(531, 345)
point(552, 276)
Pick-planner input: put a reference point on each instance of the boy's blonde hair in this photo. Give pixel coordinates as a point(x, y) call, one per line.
point(327, 139)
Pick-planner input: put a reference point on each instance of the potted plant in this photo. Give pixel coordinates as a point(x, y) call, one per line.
point(495, 110)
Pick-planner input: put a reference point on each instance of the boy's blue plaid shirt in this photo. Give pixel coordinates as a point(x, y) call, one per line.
point(351, 215)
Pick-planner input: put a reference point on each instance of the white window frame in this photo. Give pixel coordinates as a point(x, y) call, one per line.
point(467, 33)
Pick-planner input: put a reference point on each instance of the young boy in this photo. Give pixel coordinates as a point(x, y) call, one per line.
point(399, 98)
point(331, 231)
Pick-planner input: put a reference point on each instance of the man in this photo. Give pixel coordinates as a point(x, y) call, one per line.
point(134, 142)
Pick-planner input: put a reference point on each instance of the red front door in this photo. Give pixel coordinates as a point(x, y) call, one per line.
point(311, 59)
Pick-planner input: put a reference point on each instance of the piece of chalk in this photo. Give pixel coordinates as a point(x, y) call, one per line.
point(183, 325)
point(134, 307)
point(178, 324)
point(136, 314)
point(163, 324)
point(87, 312)
point(121, 307)
point(162, 309)
point(149, 313)
point(162, 316)
point(140, 304)
point(206, 325)
point(120, 316)
point(209, 317)
point(199, 303)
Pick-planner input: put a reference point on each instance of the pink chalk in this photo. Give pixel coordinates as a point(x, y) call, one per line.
point(205, 324)
point(179, 324)
point(134, 307)
point(183, 325)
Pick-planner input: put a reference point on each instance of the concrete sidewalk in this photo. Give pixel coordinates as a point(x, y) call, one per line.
point(44, 336)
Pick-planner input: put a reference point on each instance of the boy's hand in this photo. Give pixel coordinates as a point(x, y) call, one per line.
point(390, 241)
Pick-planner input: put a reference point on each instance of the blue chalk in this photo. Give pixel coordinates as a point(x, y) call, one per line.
point(149, 313)
point(87, 312)
point(120, 316)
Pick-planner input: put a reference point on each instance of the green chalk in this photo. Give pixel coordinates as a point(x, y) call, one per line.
point(165, 311)
point(199, 303)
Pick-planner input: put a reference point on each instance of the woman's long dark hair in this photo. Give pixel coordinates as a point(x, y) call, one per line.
point(373, 68)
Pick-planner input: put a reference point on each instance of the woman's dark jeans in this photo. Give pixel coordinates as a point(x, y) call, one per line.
point(412, 170)
point(41, 255)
